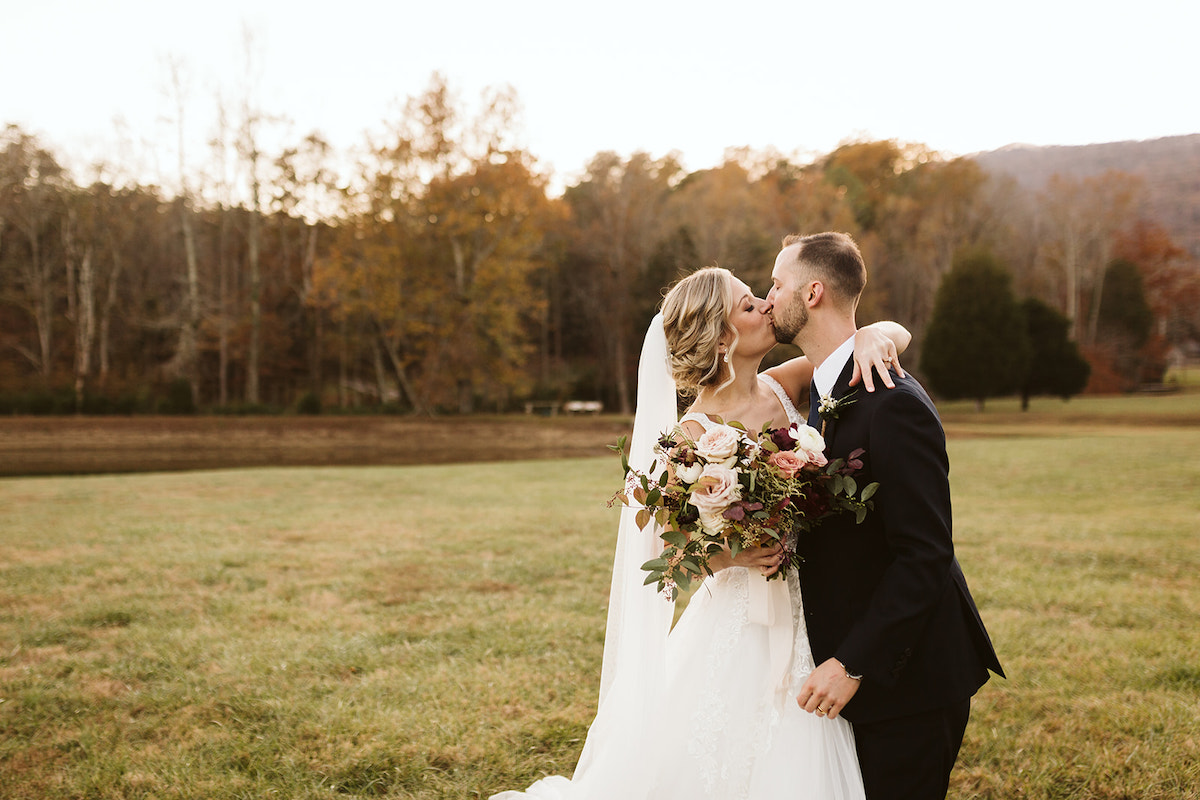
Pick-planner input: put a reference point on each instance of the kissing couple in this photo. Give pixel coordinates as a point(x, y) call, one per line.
point(883, 647)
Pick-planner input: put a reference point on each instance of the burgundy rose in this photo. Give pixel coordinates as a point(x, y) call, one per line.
point(783, 438)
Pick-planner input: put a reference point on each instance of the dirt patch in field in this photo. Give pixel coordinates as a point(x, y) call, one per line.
point(87, 445)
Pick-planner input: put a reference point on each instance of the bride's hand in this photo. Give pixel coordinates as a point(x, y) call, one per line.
point(874, 351)
point(767, 560)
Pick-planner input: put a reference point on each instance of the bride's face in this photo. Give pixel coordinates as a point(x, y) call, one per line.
point(756, 332)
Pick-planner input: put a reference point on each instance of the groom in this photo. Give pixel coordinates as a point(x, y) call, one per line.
point(899, 645)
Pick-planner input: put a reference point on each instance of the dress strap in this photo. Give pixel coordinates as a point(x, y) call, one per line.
point(789, 408)
point(694, 416)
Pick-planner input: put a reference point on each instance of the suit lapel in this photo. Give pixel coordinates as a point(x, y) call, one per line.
point(840, 389)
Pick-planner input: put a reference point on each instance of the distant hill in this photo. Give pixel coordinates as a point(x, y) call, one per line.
point(1170, 167)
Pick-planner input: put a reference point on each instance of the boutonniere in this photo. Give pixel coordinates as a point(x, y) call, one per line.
point(829, 408)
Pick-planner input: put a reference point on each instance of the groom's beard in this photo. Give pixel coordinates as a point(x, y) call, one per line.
point(789, 322)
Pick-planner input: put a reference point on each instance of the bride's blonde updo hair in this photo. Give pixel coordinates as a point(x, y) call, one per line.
point(695, 317)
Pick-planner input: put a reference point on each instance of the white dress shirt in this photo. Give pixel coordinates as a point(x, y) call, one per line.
point(826, 375)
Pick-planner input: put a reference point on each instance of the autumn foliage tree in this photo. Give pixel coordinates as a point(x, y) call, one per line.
point(618, 210)
point(1170, 279)
point(1084, 217)
point(32, 189)
point(435, 270)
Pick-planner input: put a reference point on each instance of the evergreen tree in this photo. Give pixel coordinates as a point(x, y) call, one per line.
point(1124, 321)
point(1056, 367)
point(976, 345)
point(1124, 312)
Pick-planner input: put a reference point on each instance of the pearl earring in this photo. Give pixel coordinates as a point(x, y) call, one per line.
point(726, 359)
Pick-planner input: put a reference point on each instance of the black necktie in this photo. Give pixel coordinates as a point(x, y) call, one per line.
point(814, 406)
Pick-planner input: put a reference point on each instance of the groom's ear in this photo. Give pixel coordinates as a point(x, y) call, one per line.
point(814, 293)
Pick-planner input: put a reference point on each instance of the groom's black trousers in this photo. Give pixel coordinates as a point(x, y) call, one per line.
point(897, 756)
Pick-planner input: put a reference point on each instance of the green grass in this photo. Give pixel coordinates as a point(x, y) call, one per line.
point(437, 632)
point(1187, 376)
point(1134, 409)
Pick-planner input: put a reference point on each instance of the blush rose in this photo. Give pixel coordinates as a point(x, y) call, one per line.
point(719, 445)
point(714, 492)
point(788, 462)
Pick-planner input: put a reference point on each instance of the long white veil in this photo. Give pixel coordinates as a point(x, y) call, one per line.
point(639, 618)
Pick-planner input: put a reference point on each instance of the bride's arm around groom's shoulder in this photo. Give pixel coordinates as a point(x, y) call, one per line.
point(876, 346)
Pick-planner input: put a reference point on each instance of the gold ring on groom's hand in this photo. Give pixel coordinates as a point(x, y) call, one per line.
point(820, 711)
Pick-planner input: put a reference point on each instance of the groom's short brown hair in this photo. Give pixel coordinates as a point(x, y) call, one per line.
point(835, 260)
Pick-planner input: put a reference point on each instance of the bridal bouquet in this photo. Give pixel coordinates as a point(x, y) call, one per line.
point(732, 489)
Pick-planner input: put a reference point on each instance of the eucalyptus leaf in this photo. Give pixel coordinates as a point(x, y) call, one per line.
point(677, 538)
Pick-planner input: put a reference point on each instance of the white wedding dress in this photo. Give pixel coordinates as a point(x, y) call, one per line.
point(720, 726)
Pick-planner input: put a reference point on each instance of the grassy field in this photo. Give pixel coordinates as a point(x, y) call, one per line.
point(429, 632)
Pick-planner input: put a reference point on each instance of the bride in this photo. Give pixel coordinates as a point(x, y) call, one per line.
point(709, 710)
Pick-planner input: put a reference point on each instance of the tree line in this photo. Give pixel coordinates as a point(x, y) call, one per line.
point(433, 272)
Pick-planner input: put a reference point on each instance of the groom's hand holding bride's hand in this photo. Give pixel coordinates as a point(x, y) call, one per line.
point(827, 690)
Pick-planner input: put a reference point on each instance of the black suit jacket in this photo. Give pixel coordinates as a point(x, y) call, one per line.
point(887, 598)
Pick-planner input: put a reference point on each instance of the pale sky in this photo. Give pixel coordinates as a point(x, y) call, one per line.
point(694, 77)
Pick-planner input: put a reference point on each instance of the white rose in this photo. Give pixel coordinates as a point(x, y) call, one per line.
point(714, 492)
point(719, 444)
point(810, 444)
point(689, 474)
point(713, 522)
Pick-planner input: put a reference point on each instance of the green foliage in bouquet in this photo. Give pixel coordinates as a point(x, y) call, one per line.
point(731, 490)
